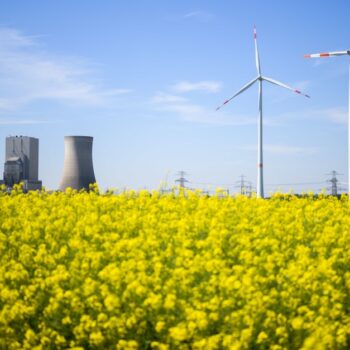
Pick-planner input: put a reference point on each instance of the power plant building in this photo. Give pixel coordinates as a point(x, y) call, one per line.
point(78, 170)
point(22, 162)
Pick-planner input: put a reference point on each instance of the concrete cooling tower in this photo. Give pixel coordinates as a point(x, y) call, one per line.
point(78, 170)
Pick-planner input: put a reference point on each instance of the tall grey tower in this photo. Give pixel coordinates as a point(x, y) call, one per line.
point(78, 170)
point(22, 162)
point(181, 180)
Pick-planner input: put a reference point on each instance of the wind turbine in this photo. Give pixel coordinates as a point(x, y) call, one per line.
point(339, 53)
point(259, 79)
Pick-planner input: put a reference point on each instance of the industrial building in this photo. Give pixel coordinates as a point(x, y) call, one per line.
point(22, 162)
point(78, 170)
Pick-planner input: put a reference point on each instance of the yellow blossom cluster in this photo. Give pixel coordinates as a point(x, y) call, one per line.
point(142, 270)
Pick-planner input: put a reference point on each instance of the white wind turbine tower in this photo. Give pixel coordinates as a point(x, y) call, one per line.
point(339, 53)
point(260, 78)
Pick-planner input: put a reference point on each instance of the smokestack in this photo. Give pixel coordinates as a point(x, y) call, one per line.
point(78, 171)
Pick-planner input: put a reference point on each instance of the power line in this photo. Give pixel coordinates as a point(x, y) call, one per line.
point(297, 184)
point(242, 185)
point(245, 186)
point(275, 184)
point(181, 180)
point(335, 188)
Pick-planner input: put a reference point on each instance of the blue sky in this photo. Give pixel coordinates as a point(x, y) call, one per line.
point(144, 78)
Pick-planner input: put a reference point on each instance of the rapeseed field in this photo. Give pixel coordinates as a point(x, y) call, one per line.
point(142, 270)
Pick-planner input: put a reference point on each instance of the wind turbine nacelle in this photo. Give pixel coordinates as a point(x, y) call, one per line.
point(78, 170)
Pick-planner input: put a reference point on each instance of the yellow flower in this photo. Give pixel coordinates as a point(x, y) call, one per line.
point(160, 326)
point(262, 337)
point(297, 323)
point(169, 302)
point(178, 333)
point(117, 270)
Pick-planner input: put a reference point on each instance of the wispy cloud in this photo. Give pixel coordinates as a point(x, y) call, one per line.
point(290, 150)
point(25, 121)
point(164, 98)
point(12, 38)
point(28, 73)
point(283, 149)
point(202, 16)
point(207, 86)
point(116, 92)
point(336, 115)
point(195, 113)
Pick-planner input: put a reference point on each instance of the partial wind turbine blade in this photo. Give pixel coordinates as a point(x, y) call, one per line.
point(245, 87)
point(257, 60)
point(328, 54)
point(272, 81)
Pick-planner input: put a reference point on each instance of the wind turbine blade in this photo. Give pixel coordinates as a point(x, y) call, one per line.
point(272, 81)
point(257, 60)
point(328, 54)
point(245, 87)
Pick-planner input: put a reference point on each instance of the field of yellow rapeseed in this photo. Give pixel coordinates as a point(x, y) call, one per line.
point(142, 270)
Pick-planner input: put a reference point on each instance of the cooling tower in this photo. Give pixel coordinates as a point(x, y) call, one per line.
point(78, 171)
